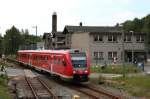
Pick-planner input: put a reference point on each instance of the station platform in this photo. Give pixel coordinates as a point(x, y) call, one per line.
point(13, 72)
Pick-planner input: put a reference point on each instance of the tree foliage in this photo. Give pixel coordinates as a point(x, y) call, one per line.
point(1, 45)
point(14, 38)
point(139, 25)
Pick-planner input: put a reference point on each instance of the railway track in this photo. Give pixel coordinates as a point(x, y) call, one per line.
point(103, 92)
point(94, 92)
point(38, 87)
point(88, 90)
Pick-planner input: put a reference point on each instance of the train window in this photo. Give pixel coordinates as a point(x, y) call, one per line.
point(35, 58)
point(40, 58)
point(59, 61)
point(50, 60)
point(55, 60)
point(63, 62)
point(46, 58)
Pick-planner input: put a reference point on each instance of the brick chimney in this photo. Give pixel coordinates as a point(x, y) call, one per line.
point(80, 24)
point(54, 22)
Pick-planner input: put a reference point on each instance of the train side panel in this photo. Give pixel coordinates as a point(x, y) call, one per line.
point(58, 63)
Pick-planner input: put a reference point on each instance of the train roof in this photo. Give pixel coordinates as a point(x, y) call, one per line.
point(43, 51)
point(50, 51)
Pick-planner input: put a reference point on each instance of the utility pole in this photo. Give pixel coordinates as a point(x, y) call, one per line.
point(146, 46)
point(132, 47)
point(35, 29)
point(123, 58)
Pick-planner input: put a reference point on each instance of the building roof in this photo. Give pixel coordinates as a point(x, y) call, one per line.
point(46, 35)
point(91, 29)
point(58, 34)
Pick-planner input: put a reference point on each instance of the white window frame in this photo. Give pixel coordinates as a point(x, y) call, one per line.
point(141, 38)
point(112, 37)
point(98, 55)
point(127, 38)
point(98, 38)
point(113, 54)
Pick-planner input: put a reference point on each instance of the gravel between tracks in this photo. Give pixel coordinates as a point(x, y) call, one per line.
point(64, 92)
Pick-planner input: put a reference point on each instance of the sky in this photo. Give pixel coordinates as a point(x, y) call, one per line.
point(25, 14)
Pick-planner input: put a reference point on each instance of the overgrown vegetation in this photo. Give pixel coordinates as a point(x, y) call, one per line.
point(4, 92)
point(116, 69)
point(136, 86)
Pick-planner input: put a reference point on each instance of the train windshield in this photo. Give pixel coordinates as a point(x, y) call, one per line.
point(78, 60)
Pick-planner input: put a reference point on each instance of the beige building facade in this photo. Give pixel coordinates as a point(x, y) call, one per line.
point(105, 44)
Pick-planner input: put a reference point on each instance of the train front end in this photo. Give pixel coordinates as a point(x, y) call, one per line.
point(80, 65)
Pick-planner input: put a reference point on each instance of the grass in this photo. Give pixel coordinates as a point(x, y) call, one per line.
point(136, 86)
point(116, 69)
point(4, 92)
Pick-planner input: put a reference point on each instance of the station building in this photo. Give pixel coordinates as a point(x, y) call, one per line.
point(105, 44)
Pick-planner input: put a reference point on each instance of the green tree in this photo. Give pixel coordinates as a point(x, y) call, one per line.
point(128, 26)
point(30, 39)
point(138, 24)
point(12, 40)
point(1, 45)
point(146, 24)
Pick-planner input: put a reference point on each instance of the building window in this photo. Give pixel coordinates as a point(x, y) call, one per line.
point(68, 41)
point(112, 38)
point(140, 38)
point(111, 55)
point(98, 55)
point(98, 38)
point(127, 38)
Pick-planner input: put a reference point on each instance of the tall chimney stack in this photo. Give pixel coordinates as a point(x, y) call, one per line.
point(54, 22)
point(80, 24)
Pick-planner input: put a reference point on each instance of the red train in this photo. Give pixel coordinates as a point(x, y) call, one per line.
point(69, 65)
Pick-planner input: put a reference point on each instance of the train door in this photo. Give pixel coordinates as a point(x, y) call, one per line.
point(30, 59)
point(60, 64)
point(51, 63)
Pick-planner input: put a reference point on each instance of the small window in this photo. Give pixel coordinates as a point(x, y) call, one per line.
point(111, 55)
point(112, 38)
point(140, 38)
point(55, 60)
point(51, 61)
point(59, 61)
point(46, 58)
point(127, 38)
point(98, 55)
point(98, 38)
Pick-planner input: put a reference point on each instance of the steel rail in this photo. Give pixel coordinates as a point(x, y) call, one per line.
point(87, 93)
point(47, 88)
point(33, 91)
point(104, 92)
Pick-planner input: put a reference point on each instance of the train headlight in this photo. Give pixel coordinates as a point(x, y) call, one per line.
point(85, 71)
point(74, 72)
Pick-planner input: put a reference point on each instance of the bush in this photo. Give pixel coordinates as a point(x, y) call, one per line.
point(117, 69)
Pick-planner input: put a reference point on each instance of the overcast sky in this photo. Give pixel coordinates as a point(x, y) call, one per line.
point(27, 13)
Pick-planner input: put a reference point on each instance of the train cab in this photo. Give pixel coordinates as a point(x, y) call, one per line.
point(80, 65)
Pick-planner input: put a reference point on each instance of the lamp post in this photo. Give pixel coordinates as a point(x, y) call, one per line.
point(35, 29)
point(132, 47)
point(123, 58)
